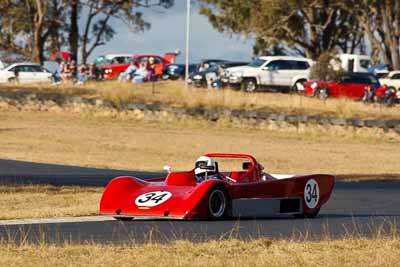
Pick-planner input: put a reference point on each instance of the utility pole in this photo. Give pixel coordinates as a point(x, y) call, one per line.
point(187, 43)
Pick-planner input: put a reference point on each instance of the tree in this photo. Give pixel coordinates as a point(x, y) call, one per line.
point(97, 30)
point(380, 20)
point(27, 25)
point(34, 28)
point(305, 27)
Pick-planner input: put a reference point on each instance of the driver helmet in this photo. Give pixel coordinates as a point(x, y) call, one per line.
point(201, 163)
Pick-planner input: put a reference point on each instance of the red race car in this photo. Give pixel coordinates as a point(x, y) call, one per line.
point(205, 192)
point(351, 85)
point(112, 71)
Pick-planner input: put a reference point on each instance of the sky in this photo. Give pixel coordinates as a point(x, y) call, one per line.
point(168, 33)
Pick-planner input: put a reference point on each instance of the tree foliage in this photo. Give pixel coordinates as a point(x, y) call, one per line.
point(306, 27)
point(326, 68)
point(35, 28)
point(380, 20)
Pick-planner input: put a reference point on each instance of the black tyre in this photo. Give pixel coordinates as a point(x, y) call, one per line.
point(219, 203)
point(250, 85)
point(124, 219)
point(309, 215)
point(297, 87)
point(322, 93)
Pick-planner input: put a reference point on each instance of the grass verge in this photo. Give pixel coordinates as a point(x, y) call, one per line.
point(121, 141)
point(44, 201)
point(173, 93)
point(259, 252)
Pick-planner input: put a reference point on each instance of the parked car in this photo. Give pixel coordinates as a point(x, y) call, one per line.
point(392, 79)
point(24, 73)
point(110, 59)
point(199, 77)
point(112, 71)
point(380, 70)
point(350, 84)
point(281, 73)
point(177, 71)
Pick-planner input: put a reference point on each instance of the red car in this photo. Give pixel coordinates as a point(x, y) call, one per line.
point(351, 85)
point(249, 192)
point(111, 72)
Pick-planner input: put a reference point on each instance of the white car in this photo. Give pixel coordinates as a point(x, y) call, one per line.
point(109, 59)
point(26, 72)
point(392, 79)
point(278, 72)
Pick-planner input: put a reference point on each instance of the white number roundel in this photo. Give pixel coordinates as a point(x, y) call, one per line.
point(152, 199)
point(311, 193)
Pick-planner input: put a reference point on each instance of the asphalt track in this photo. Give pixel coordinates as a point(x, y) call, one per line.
point(355, 208)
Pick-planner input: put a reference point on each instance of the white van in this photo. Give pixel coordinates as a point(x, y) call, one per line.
point(353, 63)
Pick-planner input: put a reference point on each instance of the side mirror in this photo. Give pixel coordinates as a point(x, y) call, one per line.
point(167, 168)
point(266, 68)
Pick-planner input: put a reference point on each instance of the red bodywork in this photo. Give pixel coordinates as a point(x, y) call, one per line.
point(111, 72)
point(350, 90)
point(189, 198)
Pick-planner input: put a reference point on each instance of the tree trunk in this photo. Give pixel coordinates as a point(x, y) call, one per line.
point(38, 43)
point(74, 30)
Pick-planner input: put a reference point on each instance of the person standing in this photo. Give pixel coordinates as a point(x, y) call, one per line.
point(151, 69)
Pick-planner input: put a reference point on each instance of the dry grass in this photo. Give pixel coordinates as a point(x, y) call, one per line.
point(121, 141)
point(44, 201)
point(259, 252)
point(173, 93)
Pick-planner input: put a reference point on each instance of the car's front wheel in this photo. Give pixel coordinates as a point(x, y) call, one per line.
point(218, 203)
point(250, 85)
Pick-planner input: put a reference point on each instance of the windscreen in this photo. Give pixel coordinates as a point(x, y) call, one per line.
point(258, 62)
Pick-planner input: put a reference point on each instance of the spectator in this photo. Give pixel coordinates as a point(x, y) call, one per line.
point(57, 74)
point(202, 67)
point(74, 70)
point(218, 80)
point(82, 74)
point(127, 75)
point(66, 72)
point(369, 95)
point(16, 74)
point(140, 73)
point(151, 69)
point(94, 72)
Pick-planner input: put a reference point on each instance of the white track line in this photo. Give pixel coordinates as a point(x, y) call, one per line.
point(57, 220)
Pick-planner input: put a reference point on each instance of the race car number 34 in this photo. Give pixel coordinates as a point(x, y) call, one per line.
point(311, 193)
point(152, 199)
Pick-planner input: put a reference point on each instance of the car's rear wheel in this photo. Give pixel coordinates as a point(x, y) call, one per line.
point(322, 93)
point(309, 215)
point(124, 219)
point(218, 203)
point(250, 85)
